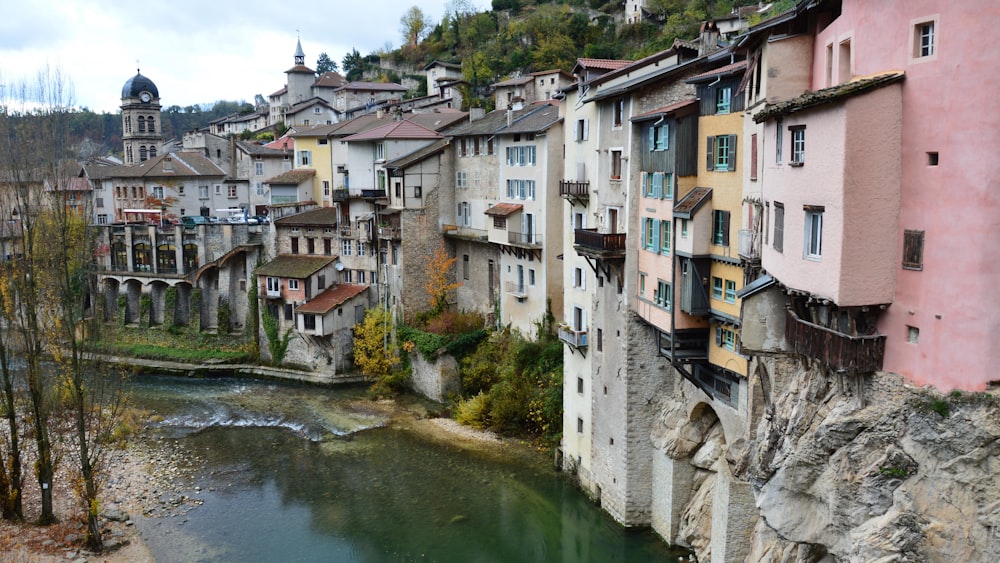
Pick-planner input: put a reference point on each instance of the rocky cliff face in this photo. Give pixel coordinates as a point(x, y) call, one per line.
point(874, 471)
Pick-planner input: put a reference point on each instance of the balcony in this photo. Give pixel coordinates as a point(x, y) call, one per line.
point(684, 345)
point(838, 351)
point(575, 338)
point(390, 233)
point(526, 240)
point(591, 243)
point(574, 190)
point(346, 231)
point(749, 242)
point(466, 233)
point(340, 194)
point(373, 194)
point(516, 289)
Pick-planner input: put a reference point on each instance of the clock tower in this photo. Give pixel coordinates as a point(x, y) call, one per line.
point(142, 131)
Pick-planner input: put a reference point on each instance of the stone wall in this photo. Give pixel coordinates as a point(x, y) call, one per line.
point(435, 380)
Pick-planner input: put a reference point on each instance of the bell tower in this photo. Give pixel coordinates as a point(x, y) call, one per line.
point(142, 131)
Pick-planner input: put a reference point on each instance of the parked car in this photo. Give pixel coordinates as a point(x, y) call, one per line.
point(262, 219)
point(194, 220)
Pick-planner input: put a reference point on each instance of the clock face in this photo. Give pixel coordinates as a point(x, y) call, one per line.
point(144, 97)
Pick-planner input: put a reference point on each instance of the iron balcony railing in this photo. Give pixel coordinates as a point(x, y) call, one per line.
point(749, 244)
point(838, 351)
point(575, 338)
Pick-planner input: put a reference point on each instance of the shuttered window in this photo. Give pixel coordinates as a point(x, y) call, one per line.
point(913, 250)
point(779, 226)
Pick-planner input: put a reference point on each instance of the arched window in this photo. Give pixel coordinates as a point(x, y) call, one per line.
point(142, 153)
point(152, 152)
point(142, 124)
point(166, 259)
point(141, 257)
point(190, 257)
point(128, 155)
point(128, 123)
point(150, 125)
point(119, 257)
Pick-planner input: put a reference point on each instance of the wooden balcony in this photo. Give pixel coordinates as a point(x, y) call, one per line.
point(574, 189)
point(591, 243)
point(749, 245)
point(838, 351)
point(684, 345)
point(341, 194)
point(390, 233)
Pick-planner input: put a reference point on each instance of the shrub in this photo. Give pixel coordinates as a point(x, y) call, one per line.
point(474, 411)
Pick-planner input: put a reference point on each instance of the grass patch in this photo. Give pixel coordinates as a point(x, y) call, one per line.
point(176, 344)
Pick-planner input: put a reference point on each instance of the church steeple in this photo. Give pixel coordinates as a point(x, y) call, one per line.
point(300, 56)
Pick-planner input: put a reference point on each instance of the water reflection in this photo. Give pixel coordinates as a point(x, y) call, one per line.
point(302, 474)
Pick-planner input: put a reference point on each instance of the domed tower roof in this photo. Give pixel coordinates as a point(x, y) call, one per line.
point(139, 83)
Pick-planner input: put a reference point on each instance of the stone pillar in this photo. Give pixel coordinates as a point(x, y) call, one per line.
point(133, 302)
point(157, 303)
point(672, 489)
point(110, 300)
point(182, 305)
point(734, 515)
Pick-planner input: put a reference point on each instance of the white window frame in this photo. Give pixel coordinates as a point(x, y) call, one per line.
point(158, 192)
point(812, 249)
point(293, 284)
point(798, 133)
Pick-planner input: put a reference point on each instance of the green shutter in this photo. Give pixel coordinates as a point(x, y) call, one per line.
point(656, 235)
point(732, 152)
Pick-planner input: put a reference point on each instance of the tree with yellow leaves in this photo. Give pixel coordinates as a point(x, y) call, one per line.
point(438, 281)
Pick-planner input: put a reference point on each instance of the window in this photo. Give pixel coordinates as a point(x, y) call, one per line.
point(295, 245)
point(579, 279)
point(664, 294)
point(158, 192)
point(273, 284)
point(619, 112)
point(500, 223)
point(465, 266)
point(720, 228)
point(202, 192)
point(289, 311)
point(753, 157)
point(665, 237)
point(309, 321)
point(142, 152)
point(362, 248)
point(779, 226)
point(730, 291)
point(102, 219)
point(723, 99)
point(932, 159)
point(582, 129)
point(913, 250)
point(305, 157)
point(616, 165)
point(461, 180)
point(717, 285)
point(521, 189)
point(924, 41)
point(658, 185)
point(531, 276)
point(642, 285)
point(651, 232)
point(232, 192)
point(521, 156)
point(293, 284)
point(721, 153)
point(321, 282)
point(346, 247)
point(658, 137)
point(725, 338)
point(798, 144)
point(361, 276)
point(326, 188)
point(579, 385)
point(814, 233)
point(684, 228)
point(258, 168)
point(464, 214)
point(310, 246)
point(778, 139)
point(462, 147)
point(379, 151)
point(579, 425)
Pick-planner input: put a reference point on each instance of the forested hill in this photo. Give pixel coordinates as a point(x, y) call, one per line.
point(514, 37)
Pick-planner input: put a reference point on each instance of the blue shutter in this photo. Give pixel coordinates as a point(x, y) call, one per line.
point(656, 235)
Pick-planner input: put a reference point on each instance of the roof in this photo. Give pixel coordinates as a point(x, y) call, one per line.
point(294, 266)
point(559, 71)
point(307, 104)
point(829, 95)
point(137, 84)
point(495, 122)
point(177, 164)
point(300, 69)
point(539, 119)
point(503, 209)
point(282, 143)
point(605, 64)
point(382, 86)
point(258, 149)
point(690, 203)
point(314, 130)
point(721, 71)
point(281, 92)
point(292, 177)
point(418, 155)
point(319, 217)
point(404, 129)
point(436, 62)
point(666, 110)
point(753, 287)
point(513, 82)
point(330, 79)
point(334, 296)
point(659, 74)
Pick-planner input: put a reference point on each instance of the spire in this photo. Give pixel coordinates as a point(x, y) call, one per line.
point(300, 56)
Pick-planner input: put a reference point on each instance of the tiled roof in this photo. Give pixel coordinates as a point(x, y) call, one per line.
point(178, 164)
point(435, 62)
point(606, 64)
point(418, 155)
point(690, 203)
point(300, 69)
point(678, 42)
point(495, 122)
point(721, 71)
point(319, 217)
point(396, 130)
point(503, 209)
point(283, 143)
point(513, 82)
point(315, 130)
point(258, 150)
point(541, 117)
point(282, 91)
point(665, 110)
point(334, 296)
point(294, 266)
point(829, 95)
point(373, 86)
point(308, 103)
point(330, 79)
point(292, 177)
point(560, 72)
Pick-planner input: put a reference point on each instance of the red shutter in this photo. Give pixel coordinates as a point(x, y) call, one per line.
point(753, 156)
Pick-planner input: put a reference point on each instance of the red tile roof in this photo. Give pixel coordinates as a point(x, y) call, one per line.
point(333, 297)
point(381, 86)
point(404, 129)
point(284, 143)
point(666, 109)
point(728, 69)
point(503, 209)
point(608, 64)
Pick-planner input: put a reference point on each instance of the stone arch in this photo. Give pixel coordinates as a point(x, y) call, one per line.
point(133, 301)
point(111, 289)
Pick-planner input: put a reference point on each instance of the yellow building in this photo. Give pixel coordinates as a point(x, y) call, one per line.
point(312, 151)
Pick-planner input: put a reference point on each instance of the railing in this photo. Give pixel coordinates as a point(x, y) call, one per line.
point(372, 194)
point(345, 231)
point(602, 242)
point(340, 195)
point(749, 242)
point(516, 289)
point(575, 338)
point(569, 188)
point(465, 232)
point(524, 239)
point(838, 351)
point(393, 233)
point(343, 194)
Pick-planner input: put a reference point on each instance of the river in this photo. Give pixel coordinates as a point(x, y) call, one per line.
point(278, 472)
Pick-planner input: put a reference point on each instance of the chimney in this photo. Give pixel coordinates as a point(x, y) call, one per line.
point(708, 41)
point(510, 116)
point(476, 113)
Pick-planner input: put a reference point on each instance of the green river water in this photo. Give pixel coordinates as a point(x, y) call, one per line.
point(290, 473)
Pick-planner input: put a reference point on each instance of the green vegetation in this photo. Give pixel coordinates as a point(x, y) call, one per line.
point(894, 472)
point(277, 343)
point(176, 343)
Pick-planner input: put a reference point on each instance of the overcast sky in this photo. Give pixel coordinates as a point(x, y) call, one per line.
point(195, 51)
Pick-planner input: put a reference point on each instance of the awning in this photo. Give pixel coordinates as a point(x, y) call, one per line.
point(503, 209)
